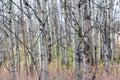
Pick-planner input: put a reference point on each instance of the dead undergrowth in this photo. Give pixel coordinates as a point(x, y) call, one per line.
point(64, 73)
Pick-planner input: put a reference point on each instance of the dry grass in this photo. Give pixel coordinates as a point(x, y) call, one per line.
point(64, 73)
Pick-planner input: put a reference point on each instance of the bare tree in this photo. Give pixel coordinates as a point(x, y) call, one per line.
point(11, 43)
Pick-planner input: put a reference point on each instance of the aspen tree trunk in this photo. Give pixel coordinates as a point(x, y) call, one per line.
point(57, 45)
point(62, 31)
point(53, 31)
point(111, 2)
point(11, 44)
point(97, 31)
point(30, 39)
point(93, 35)
point(39, 27)
point(77, 42)
point(44, 41)
point(109, 28)
point(1, 41)
point(62, 49)
point(105, 37)
point(42, 6)
point(24, 38)
point(66, 32)
point(94, 39)
point(57, 29)
point(73, 44)
point(100, 17)
point(45, 56)
point(63, 42)
point(39, 10)
point(50, 50)
point(87, 57)
point(1, 48)
point(17, 51)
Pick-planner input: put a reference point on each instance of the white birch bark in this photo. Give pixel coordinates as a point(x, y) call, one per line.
point(57, 27)
point(44, 41)
point(87, 56)
point(50, 40)
point(77, 42)
point(30, 35)
point(39, 27)
point(66, 31)
point(17, 50)
point(24, 39)
point(1, 48)
point(105, 37)
point(111, 31)
point(62, 31)
point(11, 43)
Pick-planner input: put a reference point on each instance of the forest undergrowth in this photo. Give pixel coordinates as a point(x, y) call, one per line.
point(64, 73)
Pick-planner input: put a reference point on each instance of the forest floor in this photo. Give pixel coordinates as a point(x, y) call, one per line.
point(65, 74)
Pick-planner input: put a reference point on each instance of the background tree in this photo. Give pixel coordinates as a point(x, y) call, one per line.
point(59, 39)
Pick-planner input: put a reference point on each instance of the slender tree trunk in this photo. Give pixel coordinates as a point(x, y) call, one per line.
point(57, 29)
point(11, 44)
point(24, 40)
point(44, 41)
point(66, 32)
point(30, 40)
point(1, 49)
point(17, 52)
point(50, 50)
point(105, 37)
point(77, 42)
point(87, 57)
